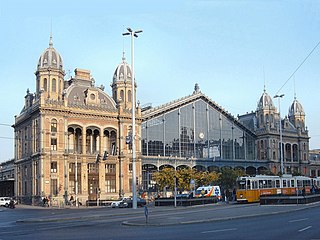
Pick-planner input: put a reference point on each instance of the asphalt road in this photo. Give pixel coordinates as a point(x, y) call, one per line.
point(294, 222)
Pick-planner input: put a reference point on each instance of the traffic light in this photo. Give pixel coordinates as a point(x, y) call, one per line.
point(105, 155)
point(98, 158)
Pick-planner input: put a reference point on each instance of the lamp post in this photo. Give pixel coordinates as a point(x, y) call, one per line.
point(134, 191)
point(76, 180)
point(280, 130)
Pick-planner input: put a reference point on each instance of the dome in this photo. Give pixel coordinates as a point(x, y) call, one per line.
point(296, 108)
point(50, 58)
point(265, 101)
point(122, 72)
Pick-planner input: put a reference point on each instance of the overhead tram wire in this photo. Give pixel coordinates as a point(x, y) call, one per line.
point(305, 59)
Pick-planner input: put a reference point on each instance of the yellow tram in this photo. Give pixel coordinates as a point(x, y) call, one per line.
point(249, 189)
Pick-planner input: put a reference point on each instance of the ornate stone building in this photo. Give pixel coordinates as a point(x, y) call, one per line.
point(70, 137)
point(265, 122)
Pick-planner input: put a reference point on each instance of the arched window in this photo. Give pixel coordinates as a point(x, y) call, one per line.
point(129, 96)
point(54, 126)
point(45, 84)
point(54, 85)
point(121, 95)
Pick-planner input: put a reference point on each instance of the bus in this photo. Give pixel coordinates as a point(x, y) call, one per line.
point(249, 189)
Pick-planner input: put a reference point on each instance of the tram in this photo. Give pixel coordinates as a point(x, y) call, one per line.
point(249, 189)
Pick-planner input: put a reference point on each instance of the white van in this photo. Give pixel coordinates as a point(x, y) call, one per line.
point(208, 191)
point(5, 201)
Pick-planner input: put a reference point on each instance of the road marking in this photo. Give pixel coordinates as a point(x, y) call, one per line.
point(298, 220)
point(220, 230)
point(306, 228)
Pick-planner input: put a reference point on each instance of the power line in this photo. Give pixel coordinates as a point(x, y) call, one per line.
point(298, 67)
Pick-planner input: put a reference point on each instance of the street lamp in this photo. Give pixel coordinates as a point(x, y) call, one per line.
point(134, 192)
point(280, 130)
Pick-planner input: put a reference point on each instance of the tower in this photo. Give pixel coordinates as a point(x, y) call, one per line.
point(266, 112)
point(50, 74)
point(297, 115)
point(122, 85)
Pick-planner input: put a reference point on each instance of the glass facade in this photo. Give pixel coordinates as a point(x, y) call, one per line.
point(196, 130)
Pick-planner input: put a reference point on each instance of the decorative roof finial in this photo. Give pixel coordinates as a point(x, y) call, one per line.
point(196, 89)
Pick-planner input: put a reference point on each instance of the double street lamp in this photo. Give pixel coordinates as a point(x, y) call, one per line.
point(133, 137)
point(280, 130)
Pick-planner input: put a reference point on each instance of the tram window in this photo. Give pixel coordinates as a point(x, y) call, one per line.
point(269, 184)
point(242, 184)
point(277, 183)
point(284, 183)
point(299, 183)
point(292, 183)
point(260, 184)
point(255, 185)
point(248, 184)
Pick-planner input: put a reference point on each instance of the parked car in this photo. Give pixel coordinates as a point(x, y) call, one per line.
point(5, 201)
point(128, 203)
point(115, 204)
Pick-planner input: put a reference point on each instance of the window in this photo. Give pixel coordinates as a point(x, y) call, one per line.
point(45, 84)
point(129, 96)
point(122, 95)
point(110, 168)
point(54, 167)
point(54, 143)
point(54, 126)
point(110, 184)
point(54, 85)
point(284, 183)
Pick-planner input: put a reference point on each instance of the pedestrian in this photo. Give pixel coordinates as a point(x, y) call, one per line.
point(71, 200)
point(234, 195)
point(11, 204)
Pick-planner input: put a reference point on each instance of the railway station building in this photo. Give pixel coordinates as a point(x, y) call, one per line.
point(73, 139)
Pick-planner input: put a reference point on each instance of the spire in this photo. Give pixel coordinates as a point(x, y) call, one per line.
point(264, 81)
point(50, 41)
point(123, 57)
point(294, 88)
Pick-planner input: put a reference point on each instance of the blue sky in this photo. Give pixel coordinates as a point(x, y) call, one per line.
point(230, 48)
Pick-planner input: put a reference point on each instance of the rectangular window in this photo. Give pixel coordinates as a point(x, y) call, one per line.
point(54, 144)
point(284, 183)
point(110, 184)
point(54, 167)
point(110, 168)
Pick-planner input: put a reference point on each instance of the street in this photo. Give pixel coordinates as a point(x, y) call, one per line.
point(107, 223)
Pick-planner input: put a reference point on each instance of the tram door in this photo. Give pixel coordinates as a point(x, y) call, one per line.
point(93, 181)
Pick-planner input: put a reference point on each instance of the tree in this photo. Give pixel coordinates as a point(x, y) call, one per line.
point(228, 177)
point(165, 178)
point(206, 178)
